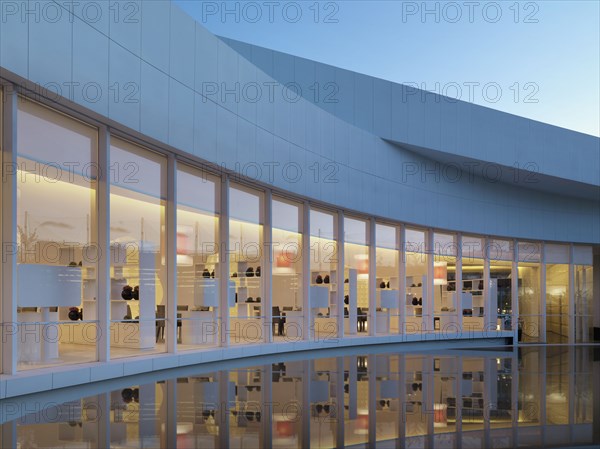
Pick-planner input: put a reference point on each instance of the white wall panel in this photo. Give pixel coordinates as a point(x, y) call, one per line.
point(312, 131)
point(90, 69)
point(124, 84)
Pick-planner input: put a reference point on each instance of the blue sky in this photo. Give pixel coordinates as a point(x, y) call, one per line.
point(535, 59)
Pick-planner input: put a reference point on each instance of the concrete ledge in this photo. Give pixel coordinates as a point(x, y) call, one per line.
point(55, 378)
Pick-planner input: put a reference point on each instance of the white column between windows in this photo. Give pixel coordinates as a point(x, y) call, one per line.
point(542, 299)
point(371, 241)
point(572, 316)
point(400, 239)
point(340, 275)
point(171, 256)
point(103, 277)
point(267, 267)
point(10, 328)
point(428, 306)
point(307, 322)
point(489, 308)
point(459, 283)
point(514, 292)
point(223, 312)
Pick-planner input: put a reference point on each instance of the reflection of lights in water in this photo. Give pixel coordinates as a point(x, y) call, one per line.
point(184, 259)
point(440, 415)
point(556, 398)
point(362, 422)
point(183, 428)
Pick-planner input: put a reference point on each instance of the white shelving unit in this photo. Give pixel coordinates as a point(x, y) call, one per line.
point(475, 299)
point(323, 301)
point(415, 288)
point(41, 288)
point(351, 289)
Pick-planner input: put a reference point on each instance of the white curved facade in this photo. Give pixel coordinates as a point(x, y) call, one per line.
point(379, 183)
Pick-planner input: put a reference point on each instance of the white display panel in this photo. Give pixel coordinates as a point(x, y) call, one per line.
point(319, 296)
point(48, 286)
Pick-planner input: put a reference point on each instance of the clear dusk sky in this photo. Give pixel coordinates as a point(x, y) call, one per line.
point(535, 59)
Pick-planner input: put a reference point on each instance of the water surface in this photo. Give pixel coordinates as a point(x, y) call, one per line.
point(372, 397)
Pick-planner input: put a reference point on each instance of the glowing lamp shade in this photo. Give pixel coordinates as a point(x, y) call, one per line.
point(362, 263)
point(284, 429)
point(440, 273)
point(283, 260)
point(183, 257)
point(182, 240)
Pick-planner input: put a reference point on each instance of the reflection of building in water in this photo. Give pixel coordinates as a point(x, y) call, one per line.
point(535, 396)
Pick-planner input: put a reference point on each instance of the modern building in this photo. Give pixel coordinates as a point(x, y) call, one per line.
point(170, 197)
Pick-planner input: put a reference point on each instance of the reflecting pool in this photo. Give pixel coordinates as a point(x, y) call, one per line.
point(491, 398)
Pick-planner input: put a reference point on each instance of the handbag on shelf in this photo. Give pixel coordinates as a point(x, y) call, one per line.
point(127, 293)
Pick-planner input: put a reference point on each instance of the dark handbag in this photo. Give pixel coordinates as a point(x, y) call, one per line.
point(127, 293)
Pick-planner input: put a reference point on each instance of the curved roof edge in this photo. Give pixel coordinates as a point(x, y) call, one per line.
point(452, 128)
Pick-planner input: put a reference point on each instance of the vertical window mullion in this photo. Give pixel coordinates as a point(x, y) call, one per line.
point(171, 259)
point(103, 278)
point(9, 232)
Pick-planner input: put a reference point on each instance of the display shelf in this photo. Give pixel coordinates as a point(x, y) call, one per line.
point(351, 290)
point(248, 310)
point(324, 273)
point(286, 290)
point(198, 284)
point(362, 292)
point(447, 305)
point(393, 282)
point(474, 298)
point(414, 290)
point(240, 269)
point(132, 267)
point(31, 346)
point(118, 309)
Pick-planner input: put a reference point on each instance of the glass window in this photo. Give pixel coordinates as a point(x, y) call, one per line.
point(529, 251)
point(387, 257)
point(288, 314)
point(416, 279)
point(501, 249)
point(323, 273)
point(584, 289)
point(556, 253)
point(557, 303)
point(501, 286)
point(529, 292)
point(501, 254)
point(445, 303)
point(473, 285)
point(138, 287)
point(56, 262)
point(245, 264)
point(356, 270)
point(198, 270)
